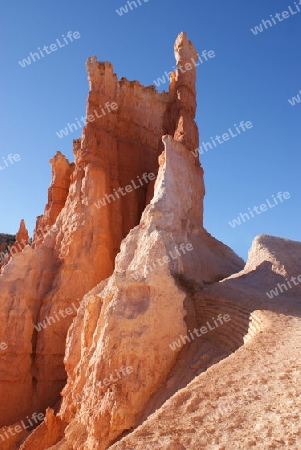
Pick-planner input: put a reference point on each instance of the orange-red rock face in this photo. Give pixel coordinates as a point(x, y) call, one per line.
point(22, 235)
point(21, 240)
point(57, 195)
point(88, 214)
point(122, 144)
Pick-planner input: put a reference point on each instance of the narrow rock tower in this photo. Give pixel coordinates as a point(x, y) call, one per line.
point(182, 92)
point(22, 236)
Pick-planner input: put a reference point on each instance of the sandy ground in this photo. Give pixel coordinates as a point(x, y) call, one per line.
point(252, 399)
point(249, 399)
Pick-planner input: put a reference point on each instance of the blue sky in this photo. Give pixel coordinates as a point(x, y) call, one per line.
point(250, 78)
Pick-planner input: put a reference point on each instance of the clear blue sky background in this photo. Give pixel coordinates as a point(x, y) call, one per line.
point(251, 78)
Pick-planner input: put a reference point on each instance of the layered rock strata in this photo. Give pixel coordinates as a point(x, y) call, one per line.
point(57, 196)
point(141, 308)
point(135, 304)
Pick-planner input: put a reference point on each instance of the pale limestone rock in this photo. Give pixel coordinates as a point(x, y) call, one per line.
point(238, 401)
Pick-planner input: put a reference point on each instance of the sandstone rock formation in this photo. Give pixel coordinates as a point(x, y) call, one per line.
point(116, 275)
point(22, 236)
point(141, 306)
point(19, 243)
point(57, 195)
point(182, 93)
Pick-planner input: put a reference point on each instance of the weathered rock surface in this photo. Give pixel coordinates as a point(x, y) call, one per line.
point(113, 279)
point(22, 236)
point(48, 432)
point(141, 307)
point(19, 243)
point(10, 440)
point(75, 244)
point(182, 105)
point(252, 398)
point(57, 196)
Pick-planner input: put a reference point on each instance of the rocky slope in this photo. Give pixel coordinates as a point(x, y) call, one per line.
point(6, 240)
point(252, 398)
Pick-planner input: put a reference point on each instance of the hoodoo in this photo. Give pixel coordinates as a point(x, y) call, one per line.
point(136, 273)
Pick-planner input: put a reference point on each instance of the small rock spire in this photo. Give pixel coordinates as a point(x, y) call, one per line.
point(182, 91)
point(22, 236)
